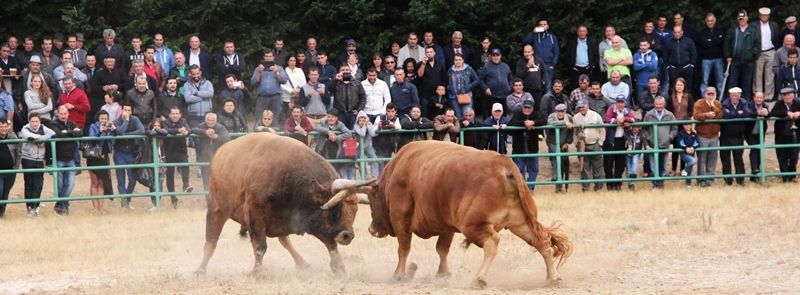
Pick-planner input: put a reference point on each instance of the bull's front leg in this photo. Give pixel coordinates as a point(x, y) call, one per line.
point(403, 249)
point(258, 238)
point(337, 264)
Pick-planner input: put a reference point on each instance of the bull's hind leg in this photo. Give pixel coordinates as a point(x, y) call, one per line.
point(258, 235)
point(443, 248)
point(486, 237)
point(298, 260)
point(215, 220)
point(542, 244)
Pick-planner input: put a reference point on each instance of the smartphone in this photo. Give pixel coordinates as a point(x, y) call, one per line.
point(267, 64)
point(237, 84)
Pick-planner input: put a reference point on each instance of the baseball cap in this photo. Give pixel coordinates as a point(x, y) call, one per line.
point(496, 51)
point(791, 19)
point(742, 14)
point(497, 107)
point(561, 107)
point(764, 11)
point(711, 90)
point(582, 103)
point(621, 97)
point(527, 103)
point(735, 90)
point(350, 41)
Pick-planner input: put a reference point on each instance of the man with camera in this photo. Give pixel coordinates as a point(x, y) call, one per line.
point(235, 90)
point(349, 96)
point(268, 78)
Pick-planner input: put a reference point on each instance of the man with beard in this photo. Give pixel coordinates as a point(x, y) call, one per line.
point(163, 54)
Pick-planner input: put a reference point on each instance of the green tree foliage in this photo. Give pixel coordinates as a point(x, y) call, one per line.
point(254, 24)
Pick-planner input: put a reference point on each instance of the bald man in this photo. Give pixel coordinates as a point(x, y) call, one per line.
point(196, 56)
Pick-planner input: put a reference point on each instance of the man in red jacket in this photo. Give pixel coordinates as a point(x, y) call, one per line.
point(77, 103)
point(298, 125)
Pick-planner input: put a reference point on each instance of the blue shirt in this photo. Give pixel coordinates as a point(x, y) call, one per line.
point(6, 101)
point(582, 54)
point(269, 84)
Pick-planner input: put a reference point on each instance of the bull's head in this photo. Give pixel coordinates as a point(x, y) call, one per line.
point(344, 192)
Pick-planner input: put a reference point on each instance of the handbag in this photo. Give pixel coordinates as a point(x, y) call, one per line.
point(464, 98)
point(93, 152)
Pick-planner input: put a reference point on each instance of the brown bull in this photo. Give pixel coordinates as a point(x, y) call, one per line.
point(276, 186)
point(433, 188)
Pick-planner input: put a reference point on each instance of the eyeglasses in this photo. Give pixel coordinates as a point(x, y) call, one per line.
point(390, 62)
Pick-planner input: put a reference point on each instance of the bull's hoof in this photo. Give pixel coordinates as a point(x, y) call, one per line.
point(200, 273)
point(411, 271)
point(338, 271)
point(555, 282)
point(481, 283)
point(444, 275)
point(303, 266)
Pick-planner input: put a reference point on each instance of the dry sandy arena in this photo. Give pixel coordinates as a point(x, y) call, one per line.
point(720, 240)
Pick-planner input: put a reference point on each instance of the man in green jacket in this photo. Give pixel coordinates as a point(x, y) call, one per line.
point(742, 47)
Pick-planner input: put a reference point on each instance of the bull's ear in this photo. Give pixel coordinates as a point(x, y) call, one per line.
point(318, 192)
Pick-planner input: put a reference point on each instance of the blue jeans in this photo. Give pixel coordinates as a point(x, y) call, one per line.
point(715, 65)
point(663, 75)
point(272, 103)
point(741, 75)
point(662, 166)
point(549, 83)
point(347, 118)
point(631, 165)
point(66, 181)
point(122, 158)
point(347, 171)
point(6, 183)
point(532, 165)
point(627, 81)
point(460, 108)
point(690, 160)
point(374, 169)
point(77, 158)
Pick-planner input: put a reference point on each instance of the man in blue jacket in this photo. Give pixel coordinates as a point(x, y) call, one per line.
point(496, 80)
point(497, 138)
point(645, 64)
point(545, 45)
point(680, 55)
point(164, 55)
point(732, 134)
point(404, 95)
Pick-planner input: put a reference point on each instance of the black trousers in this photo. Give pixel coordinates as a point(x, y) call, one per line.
point(614, 164)
point(738, 160)
point(170, 173)
point(576, 74)
point(754, 154)
point(685, 73)
point(787, 159)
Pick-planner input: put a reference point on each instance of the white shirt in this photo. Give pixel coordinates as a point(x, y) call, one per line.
point(194, 58)
point(377, 97)
point(298, 79)
point(766, 37)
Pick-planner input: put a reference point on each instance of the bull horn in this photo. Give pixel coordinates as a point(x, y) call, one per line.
point(344, 184)
point(335, 200)
point(363, 198)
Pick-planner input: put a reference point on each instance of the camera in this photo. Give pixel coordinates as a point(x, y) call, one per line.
point(347, 77)
point(109, 124)
point(385, 122)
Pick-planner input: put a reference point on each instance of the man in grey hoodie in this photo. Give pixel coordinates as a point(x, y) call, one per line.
point(365, 130)
point(33, 157)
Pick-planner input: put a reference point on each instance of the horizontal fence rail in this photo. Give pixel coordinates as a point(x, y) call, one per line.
point(156, 165)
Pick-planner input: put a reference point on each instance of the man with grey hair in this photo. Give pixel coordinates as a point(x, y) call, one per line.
point(137, 69)
point(666, 133)
point(782, 54)
point(450, 50)
point(710, 39)
point(143, 100)
point(109, 48)
point(732, 134)
point(68, 71)
point(58, 73)
point(212, 137)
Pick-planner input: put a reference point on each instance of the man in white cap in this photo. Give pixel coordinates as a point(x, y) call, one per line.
point(497, 138)
point(34, 69)
point(591, 139)
point(791, 28)
point(732, 134)
point(763, 79)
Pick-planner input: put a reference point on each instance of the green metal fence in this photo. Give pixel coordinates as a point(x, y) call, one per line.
point(156, 165)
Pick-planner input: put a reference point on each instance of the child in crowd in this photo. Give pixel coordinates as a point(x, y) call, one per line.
point(364, 129)
point(438, 103)
point(687, 140)
point(112, 106)
point(634, 141)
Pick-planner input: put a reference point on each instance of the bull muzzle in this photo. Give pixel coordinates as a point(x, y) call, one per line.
point(344, 237)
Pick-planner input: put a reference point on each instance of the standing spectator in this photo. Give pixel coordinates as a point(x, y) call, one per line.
point(327, 72)
point(619, 58)
point(480, 58)
point(100, 184)
point(229, 118)
point(298, 126)
point(180, 71)
point(95, 95)
point(77, 104)
point(789, 74)
point(791, 29)
point(649, 35)
point(365, 130)
point(7, 61)
point(110, 77)
point(496, 82)
point(782, 54)
point(404, 95)
point(615, 140)
point(414, 121)
point(742, 47)
point(666, 135)
point(446, 127)
point(645, 64)
point(33, 155)
point(707, 135)
point(69, 71)
point(377, 95)
point(582, 57)
point(295, 78)
point(786, 133)
point(137, 70)
point(329, 144)
point(196, 57)
point(281, 55)
point(427, 41)
point(154, 69)
point(349, 96)
point(143, 101)
point(387, 143)
point(598, 102)
point(6, 105)
point(10, 156)
point(454, 48)
point(616, 87)
point(497, 139)
point(78, 54)
point(27, 53)
point(432, 74)
point(563, 120)
point(268, 81)
point(681, 104)
point(50, 60)
point(212, 137)
point(756, 109)
point(711, 40)
point(350, 49)
point(387, 73)
point(461, 79)
point(517, 97)
point(545, 44)
point(764, 79)
point(135, 53)
point(235, 89)
point(554, 98)
point(377, 62)
point(154, 130)
point(163, 54)
point(527, 140)
point(411, 72)
point(635, 142)
point(591, 140)
point(38, 99)
point(687, 140)
point(688, 29)
point(197, 92)
point(65, 155)
point(530, 69)
point(112, 50)
point(732, 134)
point(230, 61)
point(608, 44)
point(34, 69)
point(173, 149)
point(125, 151)
point(112, 107)
point(170, 98)
point(666, 36)
point(313, 96)
point(680, 56)
point(412, 49)
point(648, 95)
point(311, 51)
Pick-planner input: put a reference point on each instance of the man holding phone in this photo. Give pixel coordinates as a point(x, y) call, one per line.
point(268, 78)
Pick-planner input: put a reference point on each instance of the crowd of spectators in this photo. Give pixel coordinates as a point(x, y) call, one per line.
point(60, 89)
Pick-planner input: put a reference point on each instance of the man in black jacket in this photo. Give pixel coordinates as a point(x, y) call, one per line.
point(174, 148)
point(110, 77)
point(531, 69)
point(169, 99)
point(680, 55)
point(786, 132)
point(125, 150)
point(65, 154)
point(711, 39)
point(582, 47)
point(474, 139)
point(527, 141)
point(212, 137)
point(349, 96)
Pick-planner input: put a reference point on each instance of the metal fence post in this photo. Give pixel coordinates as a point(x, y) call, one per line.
point(558, 154)
point(656, 171)
point(761, 156)
point(362, 166)
point(54, 163)
point(156, 170)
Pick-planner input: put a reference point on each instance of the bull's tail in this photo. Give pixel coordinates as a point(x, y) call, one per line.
point(559, 242)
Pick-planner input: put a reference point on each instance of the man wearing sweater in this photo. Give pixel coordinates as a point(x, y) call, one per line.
point(707, 134)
